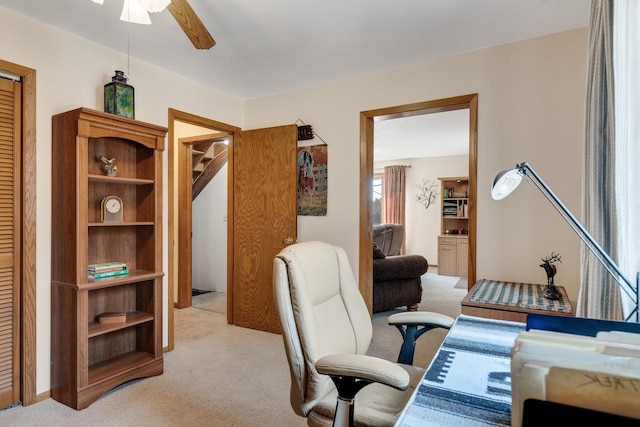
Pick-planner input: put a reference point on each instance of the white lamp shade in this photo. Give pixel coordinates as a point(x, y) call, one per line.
point(505, 182)
point(133, 12)
point(154, 5)
point(98, 1)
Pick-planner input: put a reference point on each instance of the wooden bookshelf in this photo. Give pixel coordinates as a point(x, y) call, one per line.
point(90, 358)
point(453, 241)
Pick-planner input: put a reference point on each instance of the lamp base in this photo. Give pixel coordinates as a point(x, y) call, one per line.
point(551, 292)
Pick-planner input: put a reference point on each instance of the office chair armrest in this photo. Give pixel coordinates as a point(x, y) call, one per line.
point(426, 318)
point(368, 368)
point(408, 323)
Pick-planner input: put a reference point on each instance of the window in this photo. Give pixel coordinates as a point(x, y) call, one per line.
point(378, 181)
point(626, 42)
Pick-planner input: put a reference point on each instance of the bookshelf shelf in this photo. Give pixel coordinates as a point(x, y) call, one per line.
point(102, 371)
point(133, 318)
point(120, 224)
point(118, 180)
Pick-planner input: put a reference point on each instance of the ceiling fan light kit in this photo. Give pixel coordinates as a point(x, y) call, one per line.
point(132, 11)
point(153, 6)
point(137, 11)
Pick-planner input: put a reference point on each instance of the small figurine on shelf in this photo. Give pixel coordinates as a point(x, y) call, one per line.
point(551, 290)
point(110, 168)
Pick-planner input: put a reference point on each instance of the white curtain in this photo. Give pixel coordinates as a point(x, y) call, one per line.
point(611, 197)
point(626, 53)
point(599, 294)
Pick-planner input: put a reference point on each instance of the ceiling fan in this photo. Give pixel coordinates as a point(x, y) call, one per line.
point(137, 11)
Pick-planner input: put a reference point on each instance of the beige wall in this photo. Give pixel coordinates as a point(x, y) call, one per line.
point(531, 108)
point(71, 73)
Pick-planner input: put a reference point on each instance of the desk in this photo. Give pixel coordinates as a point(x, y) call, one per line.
point(512, 301)
point(468, 382)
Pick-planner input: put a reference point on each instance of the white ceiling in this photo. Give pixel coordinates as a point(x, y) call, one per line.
point(270, 46)
point(427, 135)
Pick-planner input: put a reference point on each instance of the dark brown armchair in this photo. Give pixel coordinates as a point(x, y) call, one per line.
point(396, 278)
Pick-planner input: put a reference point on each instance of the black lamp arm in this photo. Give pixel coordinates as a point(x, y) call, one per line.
point(611, 267)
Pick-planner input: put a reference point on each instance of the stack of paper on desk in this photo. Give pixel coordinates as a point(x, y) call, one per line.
point(600, 373)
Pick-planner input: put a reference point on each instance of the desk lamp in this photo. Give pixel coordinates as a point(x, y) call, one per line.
point(508, 180)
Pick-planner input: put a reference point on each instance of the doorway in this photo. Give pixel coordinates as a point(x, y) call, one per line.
point(367, 119)
point(431, 147)
point(180, 209)
point(255, 231)
point(201, 256)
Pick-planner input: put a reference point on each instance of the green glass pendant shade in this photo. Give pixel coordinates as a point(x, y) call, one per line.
point(119, 96)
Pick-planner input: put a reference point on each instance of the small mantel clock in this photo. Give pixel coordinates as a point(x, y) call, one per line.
point(111, 209)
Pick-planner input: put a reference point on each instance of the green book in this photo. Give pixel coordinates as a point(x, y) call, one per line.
point(109, 274)
point(105, 265)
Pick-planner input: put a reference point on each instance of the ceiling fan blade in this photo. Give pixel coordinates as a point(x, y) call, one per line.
point(191, 24)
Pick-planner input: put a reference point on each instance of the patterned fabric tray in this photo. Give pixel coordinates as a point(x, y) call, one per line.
point(515, 294)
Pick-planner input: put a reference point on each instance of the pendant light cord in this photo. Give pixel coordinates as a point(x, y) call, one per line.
point(128, 45)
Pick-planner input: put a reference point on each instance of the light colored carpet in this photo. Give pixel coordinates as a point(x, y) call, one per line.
point(212, 301)
point(217, 375)
point(463, 283)
point(439, 295)
point(223, 375)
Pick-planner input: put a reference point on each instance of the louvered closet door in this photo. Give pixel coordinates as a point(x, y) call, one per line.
point(10, 95)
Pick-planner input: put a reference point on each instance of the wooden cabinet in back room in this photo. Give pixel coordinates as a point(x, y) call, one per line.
point(453, 241)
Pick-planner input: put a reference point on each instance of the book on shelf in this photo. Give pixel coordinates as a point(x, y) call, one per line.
point(106, 266)
point(105, 270)
point(450, 210)
point(112, 317)
point(100, 275)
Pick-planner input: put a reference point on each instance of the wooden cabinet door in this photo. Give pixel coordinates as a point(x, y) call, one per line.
point(463, 257)
point(265, 220)
point(447, 256)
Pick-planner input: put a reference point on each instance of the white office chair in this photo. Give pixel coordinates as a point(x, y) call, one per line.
point(327, 329)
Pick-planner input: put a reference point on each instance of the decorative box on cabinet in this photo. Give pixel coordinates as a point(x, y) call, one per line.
point(90, 358)
point(453, 242)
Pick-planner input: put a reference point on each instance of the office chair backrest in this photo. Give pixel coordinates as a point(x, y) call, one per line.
point(321, 311)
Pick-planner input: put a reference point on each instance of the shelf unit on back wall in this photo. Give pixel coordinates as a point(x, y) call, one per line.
point(453, 241)
point(91, 356)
